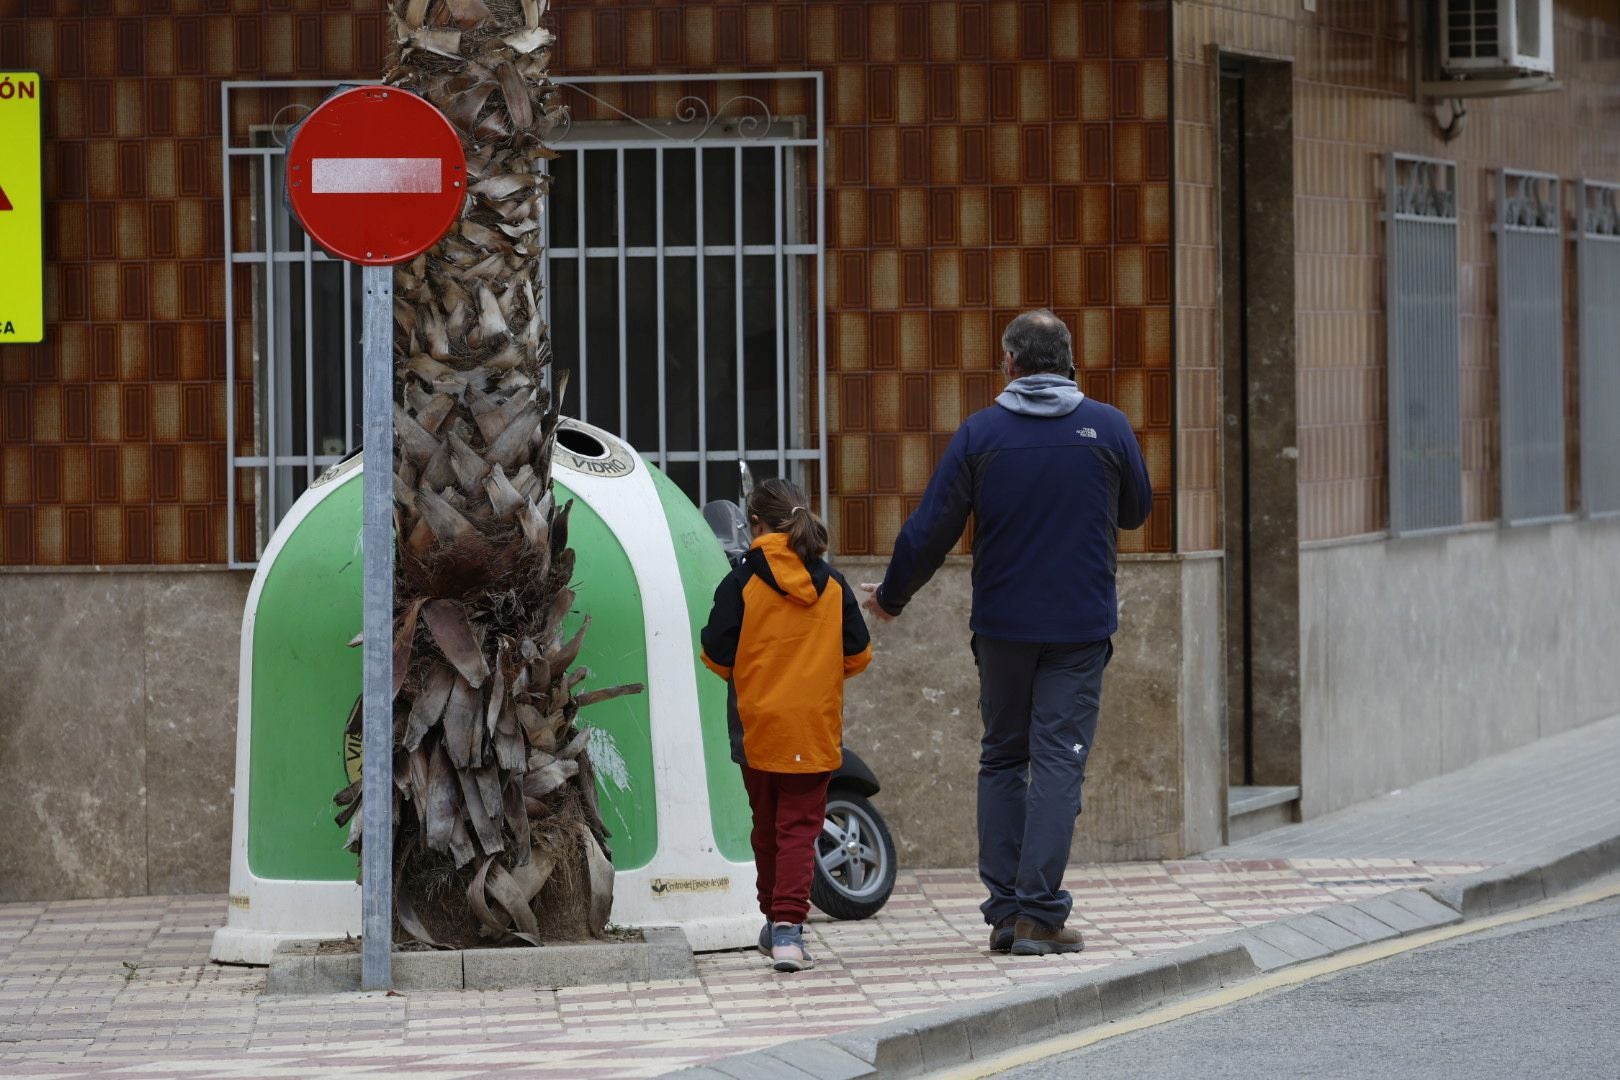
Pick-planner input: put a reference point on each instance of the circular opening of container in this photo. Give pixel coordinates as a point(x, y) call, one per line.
point(581, 443)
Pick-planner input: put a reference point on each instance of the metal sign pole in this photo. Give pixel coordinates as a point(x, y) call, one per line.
point(377, 175)
point(377, 773)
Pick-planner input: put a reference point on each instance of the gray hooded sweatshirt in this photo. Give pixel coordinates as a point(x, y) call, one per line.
point(1041, 395)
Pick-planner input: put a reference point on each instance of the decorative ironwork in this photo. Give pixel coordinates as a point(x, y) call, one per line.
point(1529, 201)
point(1530, 345)
point(308, 380)
point(1597, 279)
point(688, 231)
point(1425, 188)
point(266, 452)
point(279, 129)
point(1599, 213)
point(691, 112)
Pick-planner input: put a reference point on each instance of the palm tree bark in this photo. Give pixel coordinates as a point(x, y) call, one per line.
point(497, 836)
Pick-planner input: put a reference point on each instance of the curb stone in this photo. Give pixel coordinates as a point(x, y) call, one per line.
point(1142, 985)
point(760, 1065)
point(1358, 922)
point(1296, 946)
point(1326, 932)
point(1397, 916)
point(822, 1060)
point(1503, 888)
point(299, 968)
point(1581, 865)
point(976, 1030)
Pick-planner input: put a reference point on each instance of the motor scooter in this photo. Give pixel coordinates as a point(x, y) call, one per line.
point(855, 863)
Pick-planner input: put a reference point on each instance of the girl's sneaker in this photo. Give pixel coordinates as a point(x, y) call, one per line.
point(765, 942)
point(787, 949)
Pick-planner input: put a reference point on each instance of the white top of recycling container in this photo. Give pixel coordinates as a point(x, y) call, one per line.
point(580, 448)
point(591, 451)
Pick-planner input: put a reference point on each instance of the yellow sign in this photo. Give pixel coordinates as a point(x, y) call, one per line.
point(22, 211)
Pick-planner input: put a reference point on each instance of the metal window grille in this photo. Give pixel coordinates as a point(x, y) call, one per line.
point(1598, 279)
point(700, 354)
point(295, 408)
point(680, 272)
point(1530, 352)
point(1425, 423)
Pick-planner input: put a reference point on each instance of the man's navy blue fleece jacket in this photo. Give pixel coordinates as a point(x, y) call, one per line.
point(1050, 477)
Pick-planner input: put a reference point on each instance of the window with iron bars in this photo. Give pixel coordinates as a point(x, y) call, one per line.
point(1530, 344)
point(292, 343)
point(1597, 207)
point(681, 310)
point(1425, 420)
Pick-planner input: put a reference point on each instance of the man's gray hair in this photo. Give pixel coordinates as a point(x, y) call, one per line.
point(1040, 344)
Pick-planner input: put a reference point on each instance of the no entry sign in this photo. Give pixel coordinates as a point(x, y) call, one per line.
point(376, 175)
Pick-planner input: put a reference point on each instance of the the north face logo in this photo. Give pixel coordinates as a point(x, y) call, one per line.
point(1087, 433)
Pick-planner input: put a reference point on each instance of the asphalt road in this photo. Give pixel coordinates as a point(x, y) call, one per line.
point(1537, 999)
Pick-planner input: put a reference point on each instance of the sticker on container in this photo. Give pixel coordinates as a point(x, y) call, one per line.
point(668, 886)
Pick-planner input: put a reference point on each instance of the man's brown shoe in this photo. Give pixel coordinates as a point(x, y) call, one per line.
point(1001, 935)
point(1031, 938)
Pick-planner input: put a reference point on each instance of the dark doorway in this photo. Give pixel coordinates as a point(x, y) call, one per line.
point(1260, 488)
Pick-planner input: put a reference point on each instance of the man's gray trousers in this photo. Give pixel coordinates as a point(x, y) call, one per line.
point(1039, 703)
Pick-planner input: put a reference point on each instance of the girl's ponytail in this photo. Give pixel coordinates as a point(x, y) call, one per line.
point(784, 508)
point(807, 535)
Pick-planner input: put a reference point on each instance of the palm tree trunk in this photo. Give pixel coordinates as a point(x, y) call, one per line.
point(497, 836)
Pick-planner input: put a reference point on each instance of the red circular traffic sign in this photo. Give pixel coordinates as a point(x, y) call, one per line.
point(376, 175)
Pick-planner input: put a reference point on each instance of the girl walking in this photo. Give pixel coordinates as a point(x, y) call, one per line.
point(786, 630)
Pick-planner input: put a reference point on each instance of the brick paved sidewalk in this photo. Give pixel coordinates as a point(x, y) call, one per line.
point(1560, 792)
point(124, 987)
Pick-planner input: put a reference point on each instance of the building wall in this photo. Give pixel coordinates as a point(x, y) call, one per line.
point(983, 158)
point(117, 731)
point(1155, 784)
point(1422, 656)
point(112, 434)
point(1417, 656)
point(1352, 107)
point(118, 719)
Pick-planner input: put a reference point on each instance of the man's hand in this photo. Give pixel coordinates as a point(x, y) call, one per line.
point(871, 603)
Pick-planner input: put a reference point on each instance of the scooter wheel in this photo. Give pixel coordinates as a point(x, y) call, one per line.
point(855, 860)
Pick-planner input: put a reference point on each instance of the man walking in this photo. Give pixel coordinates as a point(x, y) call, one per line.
point(1050, 477)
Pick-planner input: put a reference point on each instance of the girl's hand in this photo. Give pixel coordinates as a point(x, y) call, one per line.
point(871, 603)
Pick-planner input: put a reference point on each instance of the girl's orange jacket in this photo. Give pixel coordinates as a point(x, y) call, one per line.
point(787, 635)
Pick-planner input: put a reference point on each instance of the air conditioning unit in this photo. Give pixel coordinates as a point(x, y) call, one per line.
point(1496, 38)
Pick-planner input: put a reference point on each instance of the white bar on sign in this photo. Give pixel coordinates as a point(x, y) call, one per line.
point(376, 176)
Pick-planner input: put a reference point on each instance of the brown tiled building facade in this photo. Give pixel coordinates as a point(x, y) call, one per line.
point(982, 158)
point(113, 432)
